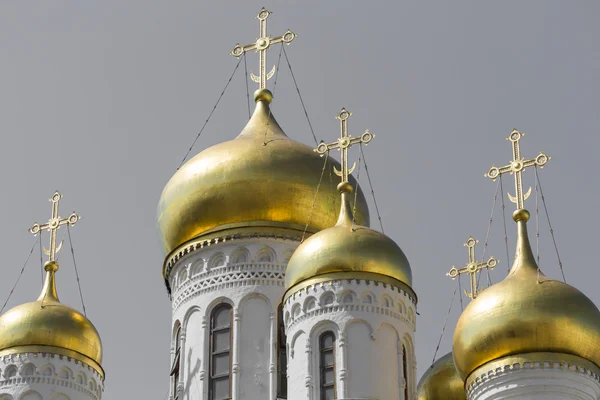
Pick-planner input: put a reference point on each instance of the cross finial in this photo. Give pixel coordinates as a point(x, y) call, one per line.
point(262, 44)
point(343, 143)
point(516, 167)
point(52, 226)
point(472, 268)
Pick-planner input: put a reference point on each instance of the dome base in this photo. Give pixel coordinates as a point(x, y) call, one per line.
point(535, 376)
point(55, 351)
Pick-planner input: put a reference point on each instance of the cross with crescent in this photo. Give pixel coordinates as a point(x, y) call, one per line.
point(343, 144)
point(472, 268)
point(52, 226)
point(516, 167)
point(262, 44)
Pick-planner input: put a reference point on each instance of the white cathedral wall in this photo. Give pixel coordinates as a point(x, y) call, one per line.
point(254, 340)
point(248, 274)
point(547, 380)
point(372, 323)
point(192, 357)
point(46, 376)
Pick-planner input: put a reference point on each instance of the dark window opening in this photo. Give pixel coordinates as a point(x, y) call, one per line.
point(327, 366)
point(282, 357)
point(220, 353)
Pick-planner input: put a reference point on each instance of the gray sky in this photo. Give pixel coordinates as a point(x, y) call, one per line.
point(102, 99)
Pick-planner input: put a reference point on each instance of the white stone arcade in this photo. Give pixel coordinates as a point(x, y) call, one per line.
point(540, 378)
point(47, 376)
point(374, 322)
point(245, 276)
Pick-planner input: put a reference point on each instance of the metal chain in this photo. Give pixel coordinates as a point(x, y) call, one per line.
point(277, 70)
point(487, 235)
point(76, 271)
point(210, 115)
point(247, 87)
point(445, 323)
point(315, 198)
point(41, 259)
point(300, 96)
point(462, 308)
point(504, 219)
point(371, 185)
point(356, 192)
point(550, 226)
point(61, 241)
point(19, 277)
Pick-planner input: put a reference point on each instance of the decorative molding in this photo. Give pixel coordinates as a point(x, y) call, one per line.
point(335, 308)
point(41, 361)
point(265, 274)
point(202, 243)
point(485, 376)
point(335, 283)
point(33, 357)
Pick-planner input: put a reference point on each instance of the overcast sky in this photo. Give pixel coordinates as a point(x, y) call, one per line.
point(101, 100)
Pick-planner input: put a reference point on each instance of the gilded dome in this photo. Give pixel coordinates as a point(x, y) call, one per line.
point(350, 249)
point(261, 177)
point(50, 326)
point(526, 313)
point(441, 382)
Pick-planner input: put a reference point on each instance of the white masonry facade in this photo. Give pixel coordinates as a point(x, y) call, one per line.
point(232, 337)
point(47, 376)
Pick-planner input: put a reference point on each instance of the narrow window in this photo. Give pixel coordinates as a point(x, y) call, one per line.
point(176, 362)
point(282, 370)
point(405, 371)
point(220, 353)
point(327, 365)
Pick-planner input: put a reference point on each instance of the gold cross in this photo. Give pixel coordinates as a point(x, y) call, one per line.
point(516, 167)
point(262, 44)
point(343, 143)
point(52, 226)
point(472, 268)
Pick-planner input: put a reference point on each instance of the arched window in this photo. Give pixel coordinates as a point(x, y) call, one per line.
point(220, 353)
point(28, 370)
point(405, 371)
point(176, 363)
point(327, 366)
point(282, 357)
point(10, 372)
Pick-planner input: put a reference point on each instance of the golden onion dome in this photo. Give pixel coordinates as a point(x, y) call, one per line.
point(441, 382)
point(262, 178)
point(348, 249)
point(526, 313)
point(46, 325)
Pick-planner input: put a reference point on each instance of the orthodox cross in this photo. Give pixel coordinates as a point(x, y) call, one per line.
point(343, 143)
point(516, 167)
point(262, 44)
point(52, 226)
point(472, 268)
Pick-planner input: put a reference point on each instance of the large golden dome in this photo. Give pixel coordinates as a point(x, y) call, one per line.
point(348, 248)
point(46, 325)
point(441, 382)
point(261, 177)
point(526, 313)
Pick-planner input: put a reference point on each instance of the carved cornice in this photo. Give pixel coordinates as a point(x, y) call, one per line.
point(238, 275)
point(494, 370)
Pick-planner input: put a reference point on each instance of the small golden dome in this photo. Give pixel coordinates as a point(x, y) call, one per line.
point(348, 248)
point(526, 313)
point(441, 382)
point(46, 325)
point(262, 176)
